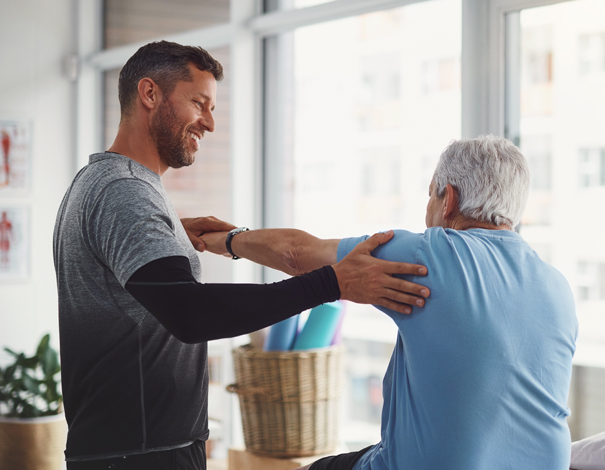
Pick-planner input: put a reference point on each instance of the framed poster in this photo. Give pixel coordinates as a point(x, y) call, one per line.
point(15, 154)
point(14, 242)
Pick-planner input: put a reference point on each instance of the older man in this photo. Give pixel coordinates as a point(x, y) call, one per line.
point(480, 379)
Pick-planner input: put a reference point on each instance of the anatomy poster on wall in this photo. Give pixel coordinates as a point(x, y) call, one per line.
point(15, 151)
point(14, 242)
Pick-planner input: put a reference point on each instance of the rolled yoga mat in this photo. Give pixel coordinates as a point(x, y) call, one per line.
point(321, 325)
point(337, 338)
point(281, 335)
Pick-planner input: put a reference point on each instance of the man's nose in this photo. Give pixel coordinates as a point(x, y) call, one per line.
point(208, 121)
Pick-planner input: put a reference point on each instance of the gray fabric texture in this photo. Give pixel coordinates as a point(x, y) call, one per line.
point(128, 385)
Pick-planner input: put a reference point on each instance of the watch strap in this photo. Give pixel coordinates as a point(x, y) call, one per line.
point(230, 236)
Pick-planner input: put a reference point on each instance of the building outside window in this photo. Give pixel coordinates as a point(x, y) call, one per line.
point(591, 53)
point(591, 167)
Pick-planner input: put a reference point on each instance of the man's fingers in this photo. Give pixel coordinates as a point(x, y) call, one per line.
point(377, 239)
point(216, 225)
point(207, 224)
point(403, 297)
point(197, 243)
point(392, 305)
point(402, 285)
point(395, 267)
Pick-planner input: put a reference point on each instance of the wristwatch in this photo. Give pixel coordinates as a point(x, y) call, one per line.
point(230, 236)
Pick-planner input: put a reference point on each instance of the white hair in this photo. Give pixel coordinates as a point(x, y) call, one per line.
point(491, 177)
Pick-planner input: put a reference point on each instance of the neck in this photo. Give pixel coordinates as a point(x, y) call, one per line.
point(463, 223)
point(135, 142)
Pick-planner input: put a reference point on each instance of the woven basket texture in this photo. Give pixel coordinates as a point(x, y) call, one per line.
point(289, 400)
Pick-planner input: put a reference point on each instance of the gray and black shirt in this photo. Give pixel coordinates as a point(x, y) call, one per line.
point(132, 383)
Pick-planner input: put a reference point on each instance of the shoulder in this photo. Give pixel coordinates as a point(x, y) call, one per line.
point(123, 199)
point(112, 174)
point(402, 245)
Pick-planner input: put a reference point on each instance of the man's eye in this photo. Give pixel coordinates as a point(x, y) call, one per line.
point(198, 104)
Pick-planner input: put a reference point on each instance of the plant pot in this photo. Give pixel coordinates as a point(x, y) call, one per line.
point(32, 443)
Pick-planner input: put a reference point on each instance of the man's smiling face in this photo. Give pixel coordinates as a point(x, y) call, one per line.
point(183, 117)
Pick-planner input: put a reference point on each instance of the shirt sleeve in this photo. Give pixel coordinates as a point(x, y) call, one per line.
point(403, 247)
point(346, 245)
point(194, 312)
point(128, 226)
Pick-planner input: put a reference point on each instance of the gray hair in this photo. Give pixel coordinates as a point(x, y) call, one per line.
point(491, 177)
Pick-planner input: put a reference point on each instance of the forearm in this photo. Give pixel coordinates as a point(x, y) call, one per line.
point(292, 251)
point(194, 312)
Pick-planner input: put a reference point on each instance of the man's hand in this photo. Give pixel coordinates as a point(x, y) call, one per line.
point(215, 242)
point(368, 280)
point(199, 225)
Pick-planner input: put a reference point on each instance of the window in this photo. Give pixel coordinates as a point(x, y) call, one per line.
point(556, 101)
point(381, 169)
point(591, 167)
point(441, 75)
point(591, 280)
point(591, 53)
point(537, 67)
point(538, 151)
point(367, 104)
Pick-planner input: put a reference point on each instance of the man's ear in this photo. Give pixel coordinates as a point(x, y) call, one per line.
point(149, 93)
point(450, 202)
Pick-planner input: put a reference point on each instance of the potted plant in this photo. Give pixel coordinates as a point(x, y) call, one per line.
point(32, 424)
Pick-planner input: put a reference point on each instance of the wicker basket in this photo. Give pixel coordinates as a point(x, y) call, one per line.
point(289, 400)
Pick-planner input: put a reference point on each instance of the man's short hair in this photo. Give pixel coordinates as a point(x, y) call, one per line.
point(491, 177)
point(166, 63)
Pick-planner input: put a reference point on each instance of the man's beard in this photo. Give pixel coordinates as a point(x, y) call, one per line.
point(170, 139)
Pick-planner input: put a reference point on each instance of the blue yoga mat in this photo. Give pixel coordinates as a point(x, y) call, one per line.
point(321, 325)
point(281, 335)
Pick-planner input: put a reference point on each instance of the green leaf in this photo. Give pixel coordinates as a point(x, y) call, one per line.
point(29, 411)
point(43, 346)
point(11, 352)
point(50, 362)
point(9, 373)
point(51, 393)
point(30, 362)
point(20, 359)
point(19, 386)
point(30, 384)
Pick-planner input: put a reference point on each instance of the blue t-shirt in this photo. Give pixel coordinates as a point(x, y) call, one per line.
point(479, 378)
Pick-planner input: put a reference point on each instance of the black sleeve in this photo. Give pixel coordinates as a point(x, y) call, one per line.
point(195, 312)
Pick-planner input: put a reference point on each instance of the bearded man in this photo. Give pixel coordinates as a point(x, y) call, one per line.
point(134, 320)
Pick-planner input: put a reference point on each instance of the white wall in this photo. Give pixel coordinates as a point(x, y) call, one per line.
point(35, 36)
